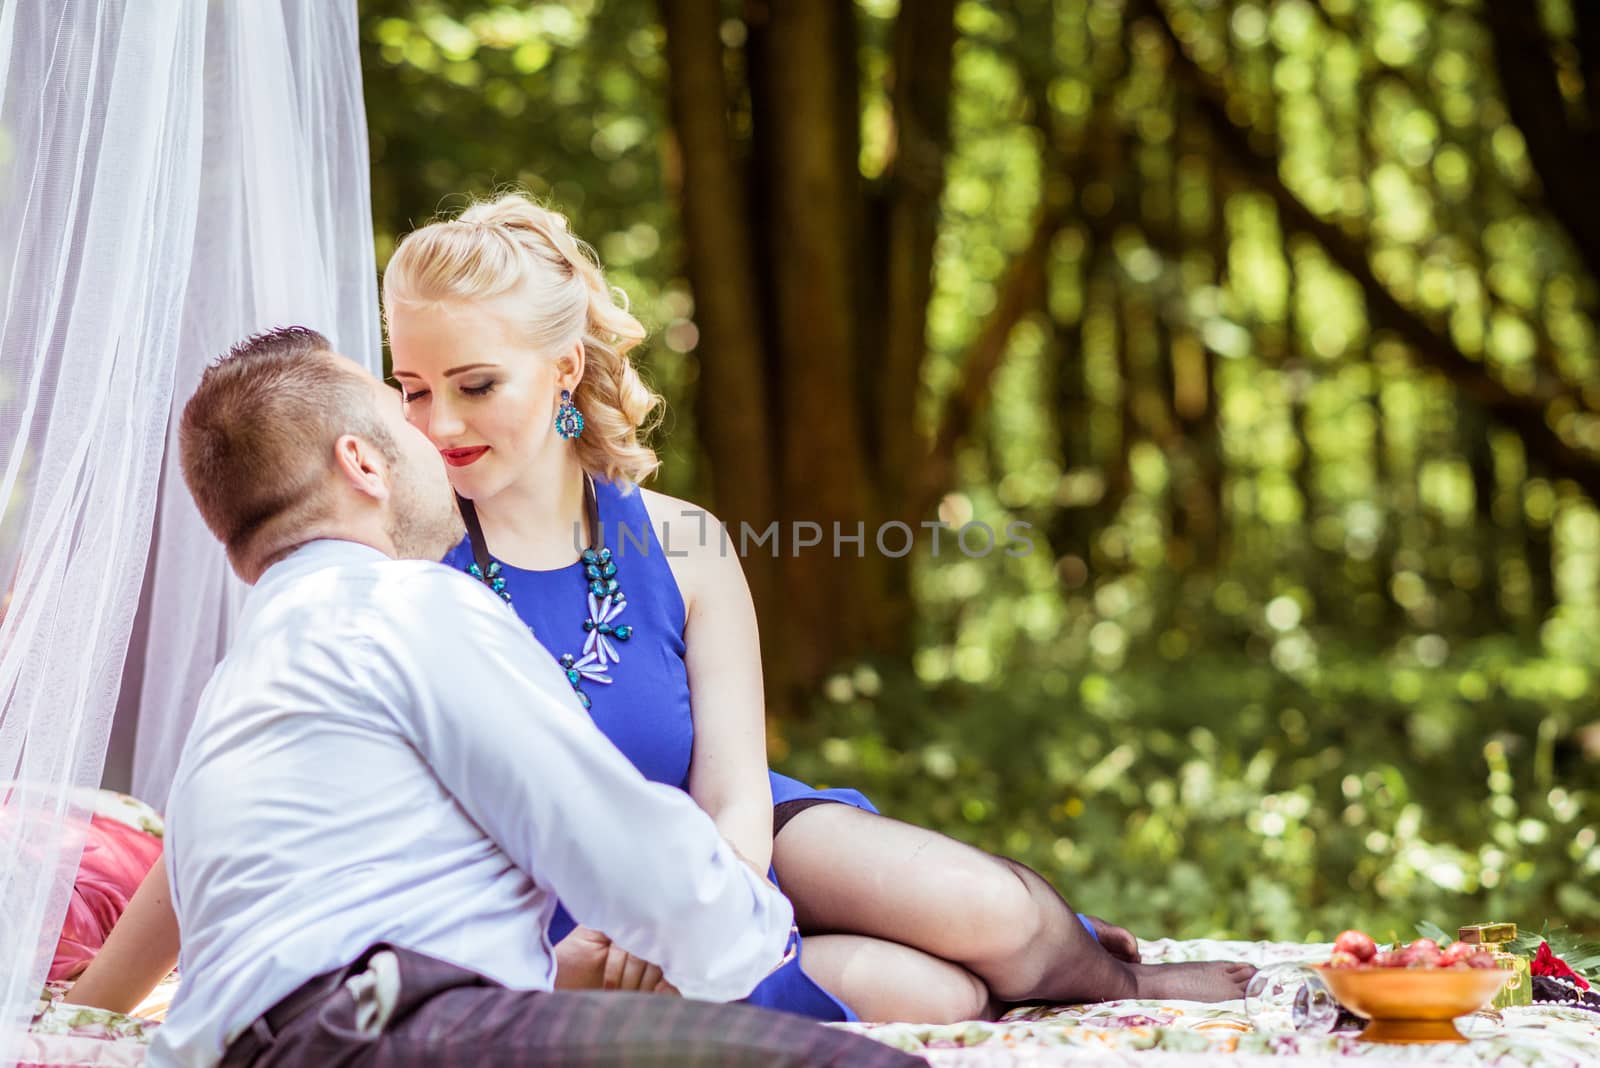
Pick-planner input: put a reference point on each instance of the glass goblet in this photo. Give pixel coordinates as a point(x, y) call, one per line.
point(1290, 997)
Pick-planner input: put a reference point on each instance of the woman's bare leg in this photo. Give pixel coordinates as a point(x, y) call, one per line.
point(850, 871)
point(883, 981)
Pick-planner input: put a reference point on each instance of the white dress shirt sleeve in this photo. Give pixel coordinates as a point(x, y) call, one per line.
point(495, 718)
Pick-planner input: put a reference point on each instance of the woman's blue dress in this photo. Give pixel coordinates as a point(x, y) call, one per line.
point(645, 709)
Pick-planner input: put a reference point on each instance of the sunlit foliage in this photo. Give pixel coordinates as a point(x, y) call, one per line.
point(1306, 638)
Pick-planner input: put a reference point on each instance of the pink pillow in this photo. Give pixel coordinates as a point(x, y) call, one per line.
point(116, 858)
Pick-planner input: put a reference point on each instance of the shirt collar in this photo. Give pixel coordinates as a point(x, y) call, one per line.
point(316, 555)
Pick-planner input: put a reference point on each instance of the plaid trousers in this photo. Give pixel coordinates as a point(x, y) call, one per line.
point(444, 1016)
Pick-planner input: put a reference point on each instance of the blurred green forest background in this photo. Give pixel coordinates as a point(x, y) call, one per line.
point(1275, 319)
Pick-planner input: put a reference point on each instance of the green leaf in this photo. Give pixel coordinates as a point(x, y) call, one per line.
point(1581, 956)
point(1527, 944)
point(1435, 932)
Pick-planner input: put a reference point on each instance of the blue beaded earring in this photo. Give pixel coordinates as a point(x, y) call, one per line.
point(569, 421)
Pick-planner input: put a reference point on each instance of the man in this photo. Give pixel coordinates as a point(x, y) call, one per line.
point(389, 783)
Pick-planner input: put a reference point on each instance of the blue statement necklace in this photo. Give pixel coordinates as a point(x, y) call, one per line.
point(605, 597)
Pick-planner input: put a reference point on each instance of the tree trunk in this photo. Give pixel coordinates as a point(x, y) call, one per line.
point(1489, 533)
point(1564, 153)
point(924, 44)
point(812, 340)
point(924, 41)
point(1070, 529)
point(733, 400)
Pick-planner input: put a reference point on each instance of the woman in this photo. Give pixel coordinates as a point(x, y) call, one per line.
point(512, 355)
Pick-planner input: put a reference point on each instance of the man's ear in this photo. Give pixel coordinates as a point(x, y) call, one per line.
point(569, 367)
point(361, 465)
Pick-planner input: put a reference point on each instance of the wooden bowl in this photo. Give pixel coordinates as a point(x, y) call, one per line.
point(1409, 1005)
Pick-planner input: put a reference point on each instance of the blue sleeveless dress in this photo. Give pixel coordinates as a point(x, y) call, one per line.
point(645, 709)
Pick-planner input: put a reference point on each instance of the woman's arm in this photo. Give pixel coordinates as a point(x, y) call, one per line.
point(139, 952)
point(728, 768)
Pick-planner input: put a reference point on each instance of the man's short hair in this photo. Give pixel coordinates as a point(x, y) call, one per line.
point(256, 440)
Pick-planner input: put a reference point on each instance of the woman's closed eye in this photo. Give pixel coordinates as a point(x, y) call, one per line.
point(471, 391)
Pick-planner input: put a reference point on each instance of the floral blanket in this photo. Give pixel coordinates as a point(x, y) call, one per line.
point(1178, 1034)
point(125, 840)
point(1137, 1034)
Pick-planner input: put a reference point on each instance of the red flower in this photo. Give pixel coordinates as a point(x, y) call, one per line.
point(1547, 963)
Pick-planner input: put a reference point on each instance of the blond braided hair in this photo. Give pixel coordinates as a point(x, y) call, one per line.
point(513, 246)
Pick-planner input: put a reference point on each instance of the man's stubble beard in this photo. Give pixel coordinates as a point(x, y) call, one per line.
point(425, 523)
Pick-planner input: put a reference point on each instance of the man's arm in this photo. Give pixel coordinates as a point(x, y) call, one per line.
point(493, 715)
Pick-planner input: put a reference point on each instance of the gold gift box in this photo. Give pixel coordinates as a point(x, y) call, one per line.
point(1495, 937)
point(1488, 934)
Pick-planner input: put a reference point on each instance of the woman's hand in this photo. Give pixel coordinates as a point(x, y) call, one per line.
point(1117, 941)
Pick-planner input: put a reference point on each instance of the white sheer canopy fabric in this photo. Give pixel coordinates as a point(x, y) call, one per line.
point(285, 236)
point(173, 176)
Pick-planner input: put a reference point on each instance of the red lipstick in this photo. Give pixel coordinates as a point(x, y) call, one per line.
point(463, 457)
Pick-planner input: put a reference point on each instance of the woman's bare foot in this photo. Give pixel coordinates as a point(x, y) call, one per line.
point(1221, 980)
point(1117, 941)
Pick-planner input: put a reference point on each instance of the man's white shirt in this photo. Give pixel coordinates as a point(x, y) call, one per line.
point(387, 755)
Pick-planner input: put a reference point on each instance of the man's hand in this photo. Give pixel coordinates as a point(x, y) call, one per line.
point(588, 960)
point(624, 971)
point(581, 960)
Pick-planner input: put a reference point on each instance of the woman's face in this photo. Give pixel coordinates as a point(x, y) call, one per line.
point(485, 399)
